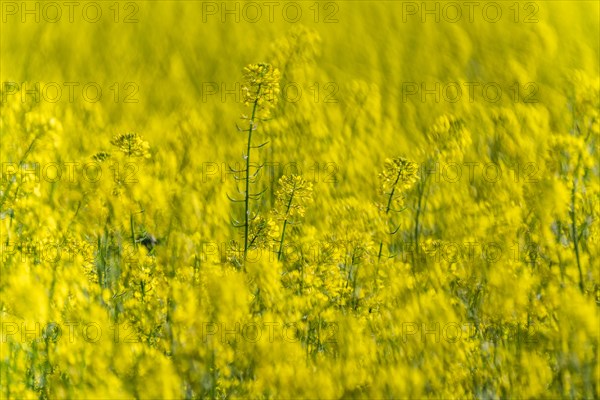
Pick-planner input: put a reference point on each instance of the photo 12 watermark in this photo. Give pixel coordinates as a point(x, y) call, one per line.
point(290, 92)
point(453, 92)
point(70, 92)
point(70, 332)
point(72, 172)
point(467, 11)
point(475, 171)
point(266, 332)
point(55, 12)
point(454, 332)
point(326, 12)
point(270, 171)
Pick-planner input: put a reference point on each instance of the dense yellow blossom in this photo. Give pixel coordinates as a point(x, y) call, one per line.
point(409, 208)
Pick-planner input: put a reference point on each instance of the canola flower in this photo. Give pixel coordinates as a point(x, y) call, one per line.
point(259, 91)
point(131, 144)
point(398, 177)
point(399, 174)
point(292, 197)
point(358, 280)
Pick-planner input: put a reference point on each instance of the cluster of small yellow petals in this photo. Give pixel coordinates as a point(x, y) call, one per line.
point(260, 89)
point(292, 197)
point(132, 145)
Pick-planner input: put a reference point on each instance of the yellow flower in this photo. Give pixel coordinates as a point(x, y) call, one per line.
point(132, 145)
point(260, 88)
point(449, 136)
point(292, 197)
point(399, 172)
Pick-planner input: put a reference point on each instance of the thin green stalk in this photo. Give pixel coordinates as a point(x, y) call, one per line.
point(131, 223)
point(10, 182)
point(281, 240)
point(573, 215)
point(387, 210)
point(289, 205)
point(380, 251)
point(575, 239)
point(417, 215)
point(247, 192)
point(420, 203)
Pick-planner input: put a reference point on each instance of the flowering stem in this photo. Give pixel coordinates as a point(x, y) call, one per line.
point(247, 192)
point(10, 182)
point(131, 223)
point(281, 241)
point(418, 214)
point(289, 205)
point(387, 210)
point(573, 216)
point(380, 250)
point(574, 232)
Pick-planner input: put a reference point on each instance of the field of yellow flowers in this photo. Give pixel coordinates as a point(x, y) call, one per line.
point(299, 200)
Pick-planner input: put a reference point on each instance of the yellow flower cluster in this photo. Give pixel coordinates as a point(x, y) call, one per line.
point(132, 145)
point(261, 88)
point(448, 136)
point(293, 195)
point(462, 266)
point(399, 174)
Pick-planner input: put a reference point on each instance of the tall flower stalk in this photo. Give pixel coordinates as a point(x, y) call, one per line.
point(259, 91)
point(448, 139)
point(397, 178)
point(292, 197)
point(131, 145)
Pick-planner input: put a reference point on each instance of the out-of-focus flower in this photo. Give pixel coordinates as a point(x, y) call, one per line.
point(132, 145)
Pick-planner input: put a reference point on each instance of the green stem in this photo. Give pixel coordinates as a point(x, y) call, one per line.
point(247, 192)
point(289, 205)
point(131, 223)
point(418, 214)
point(387, 210)
point(10, 182)
point(281, 241)
point(416, 233)
point(575, 239)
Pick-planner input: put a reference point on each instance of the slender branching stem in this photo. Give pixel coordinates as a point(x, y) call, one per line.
point(10, 182)
point(574, 233)
point(387, 210)
point(132, 225)
point(420, 205)
point(289, 205)
point(247, 191)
